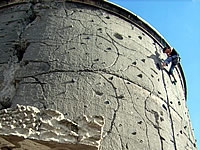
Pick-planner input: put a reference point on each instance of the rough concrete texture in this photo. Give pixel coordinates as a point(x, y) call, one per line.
point(49, 129)
point(89, 58)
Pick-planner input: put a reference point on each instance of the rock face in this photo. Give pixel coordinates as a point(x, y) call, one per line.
point(87, 57)
point(48, 129)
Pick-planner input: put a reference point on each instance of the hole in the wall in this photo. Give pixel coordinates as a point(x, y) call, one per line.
point(118, 36)
point(129, 36)
point(107, 17)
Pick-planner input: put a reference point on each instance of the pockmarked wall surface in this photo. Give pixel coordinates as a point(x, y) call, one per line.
point(96, 59)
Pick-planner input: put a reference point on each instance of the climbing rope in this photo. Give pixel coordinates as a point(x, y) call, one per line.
point(183, 116)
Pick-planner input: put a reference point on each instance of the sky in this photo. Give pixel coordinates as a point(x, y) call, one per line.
point(178, 21)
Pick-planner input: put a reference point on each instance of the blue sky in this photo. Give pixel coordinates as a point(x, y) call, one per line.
point(178, 21)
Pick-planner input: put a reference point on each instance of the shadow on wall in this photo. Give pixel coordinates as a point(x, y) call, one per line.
point(156, 59)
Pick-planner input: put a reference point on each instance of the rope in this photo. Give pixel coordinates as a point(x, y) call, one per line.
point(184, 120)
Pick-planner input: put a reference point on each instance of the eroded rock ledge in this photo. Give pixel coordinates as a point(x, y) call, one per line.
point(26, 127)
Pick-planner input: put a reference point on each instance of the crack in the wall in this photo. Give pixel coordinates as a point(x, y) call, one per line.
point(20, 49)
point(117, 51)
point(38, 82)
point(101, 18)
point(114, 88)
point(20, 46)
point(83, 26)
point(138, 113)
point(157, 126)
point(117, 107)
point(90, 70)
point(120, 138)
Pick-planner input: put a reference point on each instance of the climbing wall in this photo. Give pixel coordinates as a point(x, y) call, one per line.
point(84, 58)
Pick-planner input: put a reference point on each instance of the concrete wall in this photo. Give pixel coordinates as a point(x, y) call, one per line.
point(94, 58)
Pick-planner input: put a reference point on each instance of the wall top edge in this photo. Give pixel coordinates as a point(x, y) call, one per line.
point(117, 10)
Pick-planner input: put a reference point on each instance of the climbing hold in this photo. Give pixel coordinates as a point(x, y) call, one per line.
point(118, 36)
point(164, 107)
point(110, 78)
point(98, 93)
point(140, 37)
point(161, 119)
point(181, 131)
point(120, 96)
point(143, 60)
point(134, 133)
point(96, 59)
point(108, 48)
point(107, 102)
point(134, 63)
point(139, 75)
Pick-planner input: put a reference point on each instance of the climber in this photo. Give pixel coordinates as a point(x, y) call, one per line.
point(173, 58)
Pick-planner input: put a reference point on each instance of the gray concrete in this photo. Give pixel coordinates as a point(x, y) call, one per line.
point(81, 59)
